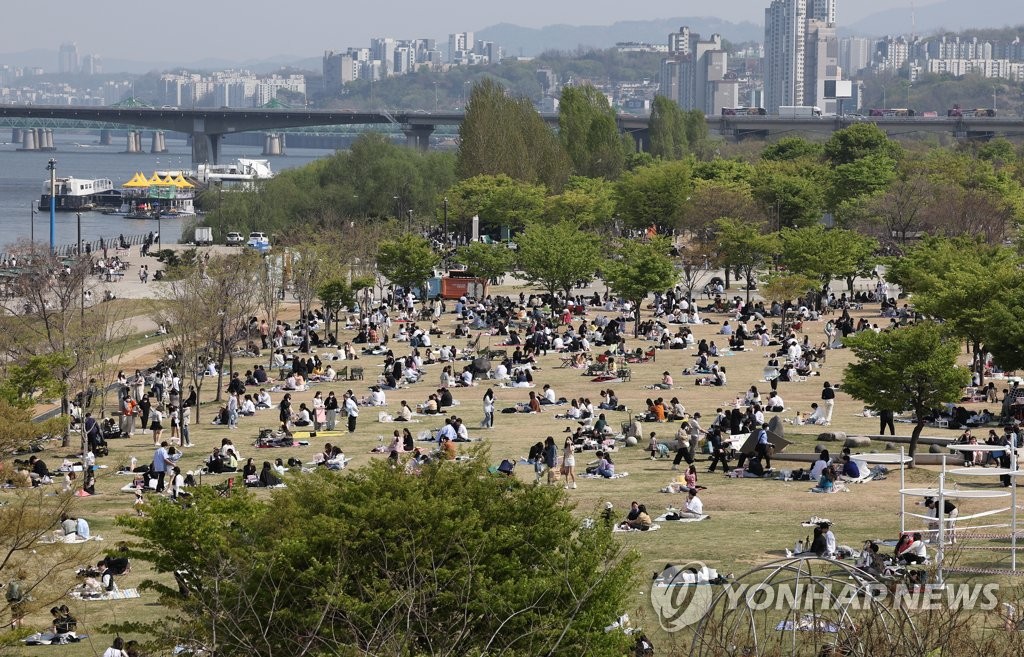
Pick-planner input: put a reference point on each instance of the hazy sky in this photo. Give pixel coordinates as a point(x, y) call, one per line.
point(187, 30)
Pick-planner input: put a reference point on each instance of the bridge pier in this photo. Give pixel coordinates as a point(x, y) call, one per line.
point(418, 136)
point(273, 144)
point(28, 140)
point(158, 144)
point(642, 139)
point(205, 147)
point(105, 138)
point(16, 135)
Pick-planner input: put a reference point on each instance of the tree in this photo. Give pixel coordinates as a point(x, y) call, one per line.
point(589, 134)
point(863, 177)
point(407, 261)
point(501, 134)
point(788, 198)
point(18, 430)
point(792, 148)
point(488, 261)
point(463, 563)
point(827, 254)
point(901, 208)
point(335, 294)
point(962, 281)
point(910, 368)
point(638, 269)
point(499, 201)
point(744, 247)
point(784, 288)
point(39, 374)
point(861, 140)
point(654, 194)
point(45, 570)
point(312, 265)
point(590, 202)
point(557, 256)
point(667, 128)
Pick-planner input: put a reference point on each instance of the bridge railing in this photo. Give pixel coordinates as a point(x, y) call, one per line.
point(112, 243)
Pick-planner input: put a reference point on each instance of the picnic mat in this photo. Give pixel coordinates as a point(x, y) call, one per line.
point(49, 638)
point(122, 594)
point(653, 528)
point(617, 475)
point(664, 518)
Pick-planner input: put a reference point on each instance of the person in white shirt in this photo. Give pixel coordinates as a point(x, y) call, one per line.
point(817, 415)
point(819, 466)
point(548, 396)
point(467, 377)
point(377, 397)
point(694, 508)
point(500, 372)
point(775, 403)
point(830, 540)
point(329, 374)
point(263, 399)
point(917, 552)
point(248, 407)
point(351, 410)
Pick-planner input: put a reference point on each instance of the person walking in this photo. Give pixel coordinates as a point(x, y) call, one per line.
point(763, 448)
point(156, 424)
point(351, 410)
point(160, 465)
point(828, 395)
point(885, 418)
point(232, 408)
point(488, 409)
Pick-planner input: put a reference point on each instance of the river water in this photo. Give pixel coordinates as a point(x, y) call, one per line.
point(22, 177)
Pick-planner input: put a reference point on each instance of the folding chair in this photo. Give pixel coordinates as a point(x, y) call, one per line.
point(224, 490)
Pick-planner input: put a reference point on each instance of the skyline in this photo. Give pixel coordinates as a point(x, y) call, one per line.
point(256, 29)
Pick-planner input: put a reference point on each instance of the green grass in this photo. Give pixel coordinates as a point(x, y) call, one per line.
point(752, 521)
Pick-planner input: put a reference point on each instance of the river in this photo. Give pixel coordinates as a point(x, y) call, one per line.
point(22, 176)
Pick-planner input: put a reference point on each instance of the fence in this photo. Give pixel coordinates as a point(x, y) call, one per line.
point(93, 246)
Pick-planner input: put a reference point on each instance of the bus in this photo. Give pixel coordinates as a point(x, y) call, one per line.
point(744, 111)
point(892, 112)
point(981, 112)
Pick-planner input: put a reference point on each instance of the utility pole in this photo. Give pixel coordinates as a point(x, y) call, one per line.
point(32, 226)
point(52, 167)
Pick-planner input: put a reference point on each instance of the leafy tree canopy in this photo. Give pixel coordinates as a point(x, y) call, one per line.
point(654, 194)
point(452, 561)
point(498, 201)
point(407, 261)
point(557, 256)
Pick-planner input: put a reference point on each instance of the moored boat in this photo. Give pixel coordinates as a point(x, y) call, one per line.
point(80, 194)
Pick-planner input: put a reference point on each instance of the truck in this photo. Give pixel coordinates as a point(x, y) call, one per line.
point(798, 111)
point(204, 236)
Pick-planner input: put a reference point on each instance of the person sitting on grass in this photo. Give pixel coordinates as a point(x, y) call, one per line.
point(641, 521)
point(916, 552)
point(694, 506)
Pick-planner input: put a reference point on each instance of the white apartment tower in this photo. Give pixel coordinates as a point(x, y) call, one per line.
point(785, 24)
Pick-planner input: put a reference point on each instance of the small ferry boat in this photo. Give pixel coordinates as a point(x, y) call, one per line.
point(80, 194)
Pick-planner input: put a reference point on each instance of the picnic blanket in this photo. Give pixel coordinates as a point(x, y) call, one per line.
point(122, 594)
point(836, 488)
point(617, 475)
point(70, 538)
point(664, 518)
point(653, 528)
point(814, 521)
point(51, 639)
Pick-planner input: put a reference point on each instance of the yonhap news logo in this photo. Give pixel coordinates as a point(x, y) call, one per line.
point(683, 595)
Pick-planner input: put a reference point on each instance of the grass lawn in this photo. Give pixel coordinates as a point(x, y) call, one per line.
point(752, 521)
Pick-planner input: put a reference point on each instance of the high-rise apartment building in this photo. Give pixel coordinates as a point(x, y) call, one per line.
point(801, 53)
point(460, 45)
point(855, 54)
point(67, 58)
point(785, 25)
point(695, 74)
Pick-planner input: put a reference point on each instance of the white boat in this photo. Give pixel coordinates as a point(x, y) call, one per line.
point(240, 174)
point(80, 194)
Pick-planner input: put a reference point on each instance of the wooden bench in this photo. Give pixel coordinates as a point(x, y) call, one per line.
point(355, 373)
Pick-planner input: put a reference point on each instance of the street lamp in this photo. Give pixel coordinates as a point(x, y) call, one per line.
point(435, 97)
point(446, 223)
point(410, 220)
point(52, 168)
point(32, 225)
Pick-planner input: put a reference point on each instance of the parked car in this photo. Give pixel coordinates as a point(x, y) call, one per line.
point(234, 239)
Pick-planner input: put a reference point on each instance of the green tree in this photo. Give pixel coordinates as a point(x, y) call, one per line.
point(827, 254)
point(37, 375)
point(667, 129)
point(792, 148)
point(463, 563)
point(788, 198)
point(861, 140)
point(638, 269)
point(589, 134)
point(654, 194)
point(557, 256)
point(783, 288)
point(498, 201)
point(910, 368)
point(487, 261)
point(964, 282)
point(590, 202)
point(335, 294)
point(744, 247)
point(501, 134)
point(855, 180)
point(407, 261)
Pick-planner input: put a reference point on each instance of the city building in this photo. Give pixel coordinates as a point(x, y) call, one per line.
point(855, 54)
point(67, 58)
point(696, 73)
point(801, 53)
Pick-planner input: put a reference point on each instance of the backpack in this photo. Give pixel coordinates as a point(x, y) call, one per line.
point(13, 593)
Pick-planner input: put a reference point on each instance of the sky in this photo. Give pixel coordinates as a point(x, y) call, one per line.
point(189, 30)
